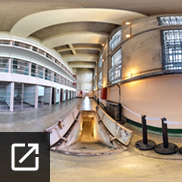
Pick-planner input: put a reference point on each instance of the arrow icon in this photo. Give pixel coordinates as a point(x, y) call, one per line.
point(35, 147)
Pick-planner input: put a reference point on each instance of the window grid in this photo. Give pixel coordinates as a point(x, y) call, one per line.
point(115, 70)
point(172, 49)
point(115, 40)
point(40, 71)
point(56, 78)
point(170, 20)
point(4, 65)
point(48, 75)
point(20, 67)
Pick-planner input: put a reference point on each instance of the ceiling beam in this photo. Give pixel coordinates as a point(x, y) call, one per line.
point(83, 37)
point(79, 48)
point(82, 65)
point(72, 49)
point(80, 57)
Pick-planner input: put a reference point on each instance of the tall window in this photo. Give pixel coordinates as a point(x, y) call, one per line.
point(115, 40)
point(172, 49)
point(95, 78)
point(170, 20)
point(100, 71)
point(115, 70)
point(100, 61)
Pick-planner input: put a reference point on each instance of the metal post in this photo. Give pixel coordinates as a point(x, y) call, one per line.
point(165, 147)
point(164, 133)
point(144, 129)
point(98, 101)
point(119, 108)
point(145, 144)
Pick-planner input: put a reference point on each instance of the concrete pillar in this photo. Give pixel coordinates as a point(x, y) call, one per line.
point(12, 96)
point(9, 67)
point(50, 103)
point(36, 96)
point(44, 73)
point(30, 67)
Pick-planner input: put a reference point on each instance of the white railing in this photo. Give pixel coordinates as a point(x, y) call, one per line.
point(36, 49)
point(118, 131)
point(58, 130)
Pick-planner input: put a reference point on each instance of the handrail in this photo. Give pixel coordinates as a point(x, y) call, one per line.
point(112, 103)
point(34, 48)
point(151, 119)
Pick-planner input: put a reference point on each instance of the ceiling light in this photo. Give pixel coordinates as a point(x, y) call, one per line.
point(127, 23)
point(103, 45)
point(128, 35)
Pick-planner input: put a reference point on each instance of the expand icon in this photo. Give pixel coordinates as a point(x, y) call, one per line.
point(34, 148)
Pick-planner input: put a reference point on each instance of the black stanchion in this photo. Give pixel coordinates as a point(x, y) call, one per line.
point(119, 111)
point(145, 144)
point(165, 148)
point(180, 150)
point(98, 101)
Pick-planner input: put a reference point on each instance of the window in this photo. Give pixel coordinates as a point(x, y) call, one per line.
point(33, 70)
point(95, 78)
point(4, 64)
point(40, 71)
point(56, 78)
point(100, 61)
point(170, 20)
point(5, 42)
point(48, 75)
point(115, 40)
point(115, 70)
point(172, 49)
point(20, 67)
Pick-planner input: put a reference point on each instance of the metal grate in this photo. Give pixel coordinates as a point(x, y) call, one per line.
point(172, 49)
point(115, 40)
point(170, 20)
point(113, 110)
point(115, 70)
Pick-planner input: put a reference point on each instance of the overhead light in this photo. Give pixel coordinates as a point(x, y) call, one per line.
point(127, 23)
point(103, 45)
point(128, 35)
point(102, 60)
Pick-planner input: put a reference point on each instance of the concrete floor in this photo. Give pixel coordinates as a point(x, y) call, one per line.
point(128, 166)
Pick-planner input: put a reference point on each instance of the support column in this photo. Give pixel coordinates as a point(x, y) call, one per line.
point(36, 96)
point(30, 69)
point(50, 101)
point(44, 73)
point(12, 96)
point(9, 67)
